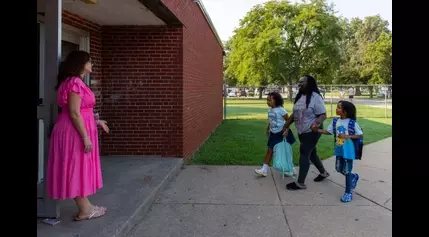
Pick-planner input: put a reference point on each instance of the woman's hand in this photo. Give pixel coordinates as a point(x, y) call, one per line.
point(343, 136)
point(285, 132)
point(103, 125)
point(87, 144)
point(314, 128)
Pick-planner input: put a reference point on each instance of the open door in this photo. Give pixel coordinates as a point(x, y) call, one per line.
point(49, 49)
point(46, 208)
point(55, 42)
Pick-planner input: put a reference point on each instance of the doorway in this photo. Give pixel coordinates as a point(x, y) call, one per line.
point(72, 39)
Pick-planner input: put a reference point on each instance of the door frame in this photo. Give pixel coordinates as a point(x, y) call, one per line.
point(41, 92)
point(45, 206)
point(72, 35)
point(76, 36)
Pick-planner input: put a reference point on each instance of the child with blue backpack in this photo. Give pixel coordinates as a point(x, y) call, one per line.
point(348, 137)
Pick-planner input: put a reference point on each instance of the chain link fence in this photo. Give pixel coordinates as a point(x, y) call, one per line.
point(372, 101)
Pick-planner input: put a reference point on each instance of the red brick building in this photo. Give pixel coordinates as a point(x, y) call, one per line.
point(157, 70)
point(157, 74)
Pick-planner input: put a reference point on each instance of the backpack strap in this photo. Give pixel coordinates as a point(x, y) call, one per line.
point(334, 125)
point(358, 143)
point(334, 128)
point(351, 127)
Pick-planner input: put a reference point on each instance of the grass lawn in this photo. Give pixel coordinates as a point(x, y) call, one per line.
point(241, 139)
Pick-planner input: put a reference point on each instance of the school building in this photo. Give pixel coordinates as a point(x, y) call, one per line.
point(158, 67)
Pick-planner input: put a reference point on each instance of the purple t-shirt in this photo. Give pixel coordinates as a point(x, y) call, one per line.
point(304, 117)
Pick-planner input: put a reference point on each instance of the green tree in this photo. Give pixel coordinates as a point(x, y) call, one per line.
point(228, 76)
point(255, 40)
point(276, 42)
point(378, 60)
point(315, 35)
point(359, 35)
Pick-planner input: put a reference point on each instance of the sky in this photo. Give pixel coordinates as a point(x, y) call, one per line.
point(226, 14)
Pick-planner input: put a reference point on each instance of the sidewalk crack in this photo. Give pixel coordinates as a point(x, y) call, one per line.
point(376, 203)
point(387, 201)
point(283, 209)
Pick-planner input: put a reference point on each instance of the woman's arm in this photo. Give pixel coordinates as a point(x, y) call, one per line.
point(289, 121)
point(319, 120)
point(353, 137)
point(322, 131)
point(74, 102)
point(319, 110)
point(97, 118)
point(286, 118)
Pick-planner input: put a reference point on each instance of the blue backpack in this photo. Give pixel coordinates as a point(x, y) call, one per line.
point(283, 158)
point(358, 143)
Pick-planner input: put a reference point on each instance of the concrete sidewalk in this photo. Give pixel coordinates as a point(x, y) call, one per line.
point(229, 201)
point(130, 187)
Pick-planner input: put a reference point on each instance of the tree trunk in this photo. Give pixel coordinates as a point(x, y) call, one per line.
point(261, 90)
point(290, 94)
point(357, 91)
point(389, 92)
point(371, 92)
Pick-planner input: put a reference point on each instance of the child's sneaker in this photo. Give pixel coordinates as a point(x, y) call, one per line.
point(355, 181)
point(261, 172)
point(289, 174)
point(347, 197)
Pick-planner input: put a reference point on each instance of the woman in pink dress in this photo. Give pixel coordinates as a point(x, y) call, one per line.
point(74, 170)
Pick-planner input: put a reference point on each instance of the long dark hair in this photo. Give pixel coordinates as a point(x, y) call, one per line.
point(311, 87)
point(349, 108)
point(72, 66)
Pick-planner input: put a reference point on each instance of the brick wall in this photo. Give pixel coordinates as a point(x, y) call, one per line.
point(142, 90)
point(95, 49)
point(161, 86)
point(202, 76)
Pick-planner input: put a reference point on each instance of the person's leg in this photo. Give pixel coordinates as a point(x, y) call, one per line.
point(83, 204)
point(312, 139)
point(268, 157)
point(349, 178)
point(308, 143)
point(305, 150)
point(87, 210)
point(273, 140)
point(314, 158)
point(355, 180)
point(339, 164)
point(347, 170)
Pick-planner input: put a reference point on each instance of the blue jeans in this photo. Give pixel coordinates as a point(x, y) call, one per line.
point(345, 167)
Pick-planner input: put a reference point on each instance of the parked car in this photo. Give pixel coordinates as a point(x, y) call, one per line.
point(232, 93)
point(382, 92)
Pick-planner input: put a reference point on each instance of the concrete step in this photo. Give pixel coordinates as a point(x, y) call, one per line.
point(130, 187)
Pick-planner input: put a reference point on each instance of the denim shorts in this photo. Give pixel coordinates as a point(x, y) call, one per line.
point(274, 139)
point(344, 166)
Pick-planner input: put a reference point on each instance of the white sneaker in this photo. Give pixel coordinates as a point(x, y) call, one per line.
point(261, 172)
point(289, 174)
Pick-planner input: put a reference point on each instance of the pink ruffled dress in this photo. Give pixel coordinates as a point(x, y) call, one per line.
point(72, 172)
